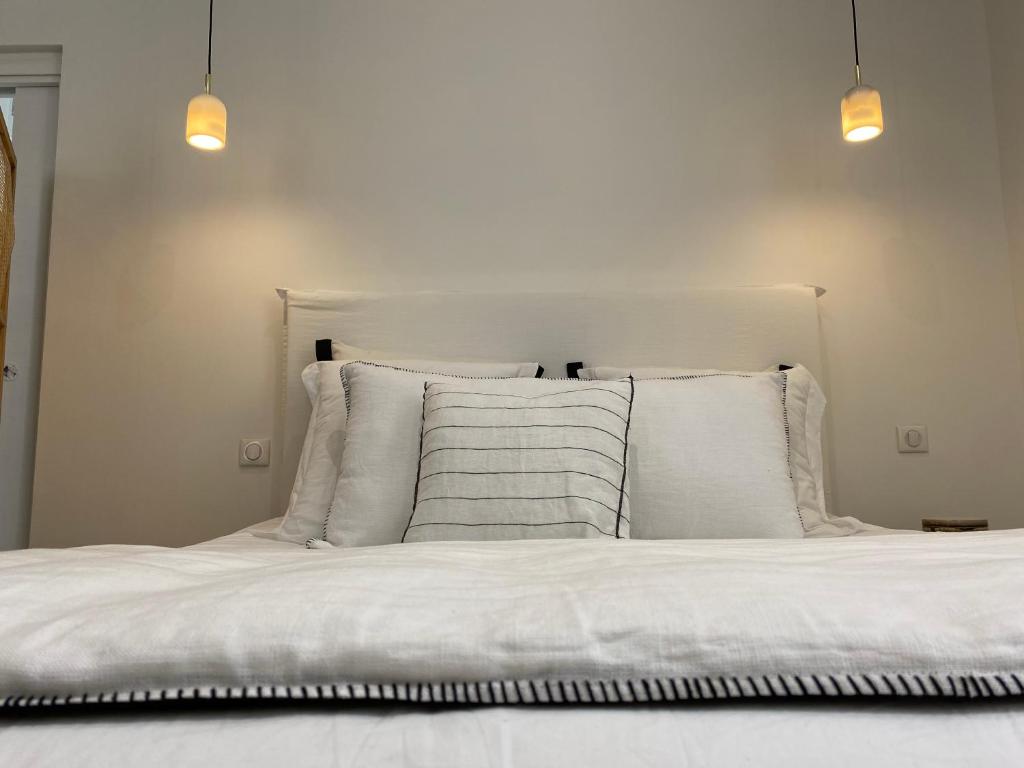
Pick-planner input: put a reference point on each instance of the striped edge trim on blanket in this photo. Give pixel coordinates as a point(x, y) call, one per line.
point(908, 685)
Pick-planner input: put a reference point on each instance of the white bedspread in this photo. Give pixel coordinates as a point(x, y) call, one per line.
point(510, 622)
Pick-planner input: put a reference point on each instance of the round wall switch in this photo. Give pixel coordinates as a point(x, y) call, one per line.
point(912, 439)
point(254, 452)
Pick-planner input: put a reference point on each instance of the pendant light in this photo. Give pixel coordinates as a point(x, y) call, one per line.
point(862, 104)
point(206, 126)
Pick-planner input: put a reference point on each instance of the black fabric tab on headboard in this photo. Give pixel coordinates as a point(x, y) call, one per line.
point(323, 350)
point(784, 367)
point(540, 371)
point(572, 370)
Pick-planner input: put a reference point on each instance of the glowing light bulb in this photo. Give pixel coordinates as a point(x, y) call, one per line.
point(862, 114)
point(206, 126)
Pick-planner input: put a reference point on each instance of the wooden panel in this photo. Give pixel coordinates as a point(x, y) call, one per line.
point(8, 166)
point(953, 525)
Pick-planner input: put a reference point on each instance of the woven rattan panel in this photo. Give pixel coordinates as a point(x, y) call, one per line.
point(7, 167)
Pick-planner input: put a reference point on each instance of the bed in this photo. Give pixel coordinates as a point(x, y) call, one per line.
point(891, 648)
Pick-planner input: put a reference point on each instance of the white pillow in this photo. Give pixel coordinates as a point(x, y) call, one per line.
point(374, 495)
point(320, 460)
point(711, 457)
point(522, 459)
point(804, 412)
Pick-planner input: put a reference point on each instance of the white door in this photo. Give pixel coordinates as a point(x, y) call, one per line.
point(35, 141)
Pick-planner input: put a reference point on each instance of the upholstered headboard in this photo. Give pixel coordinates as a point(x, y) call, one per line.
point(729, 328)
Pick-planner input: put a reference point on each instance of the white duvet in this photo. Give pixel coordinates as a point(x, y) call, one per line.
point(509, 622)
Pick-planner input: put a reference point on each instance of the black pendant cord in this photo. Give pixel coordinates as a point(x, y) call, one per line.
point(209, 44)
point(856, 45)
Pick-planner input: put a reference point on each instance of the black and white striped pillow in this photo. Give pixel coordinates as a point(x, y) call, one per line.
point(523, 459)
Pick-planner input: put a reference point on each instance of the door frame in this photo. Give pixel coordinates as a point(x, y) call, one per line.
point(23, 65)
point(29, 72)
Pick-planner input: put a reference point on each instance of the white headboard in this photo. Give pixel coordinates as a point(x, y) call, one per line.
point(728, 328)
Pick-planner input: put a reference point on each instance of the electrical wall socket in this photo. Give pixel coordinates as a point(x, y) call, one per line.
point(254, 452)
point(912, 439)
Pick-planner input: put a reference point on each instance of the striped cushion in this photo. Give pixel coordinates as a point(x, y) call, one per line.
point(523, 459)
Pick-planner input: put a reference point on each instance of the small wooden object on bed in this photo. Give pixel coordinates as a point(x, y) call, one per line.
point(8, 166)
point(953, 525)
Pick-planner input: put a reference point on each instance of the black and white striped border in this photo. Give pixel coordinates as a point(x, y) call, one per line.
point(547, 692)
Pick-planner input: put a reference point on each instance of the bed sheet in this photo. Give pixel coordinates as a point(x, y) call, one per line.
point(761, 735)
point(259, 536)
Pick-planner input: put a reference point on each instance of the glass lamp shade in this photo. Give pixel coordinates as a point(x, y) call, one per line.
point(862, 114)
point(206, 126)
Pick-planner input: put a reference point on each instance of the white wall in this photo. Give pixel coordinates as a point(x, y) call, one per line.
point(393, 144)
point(1006, 43)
